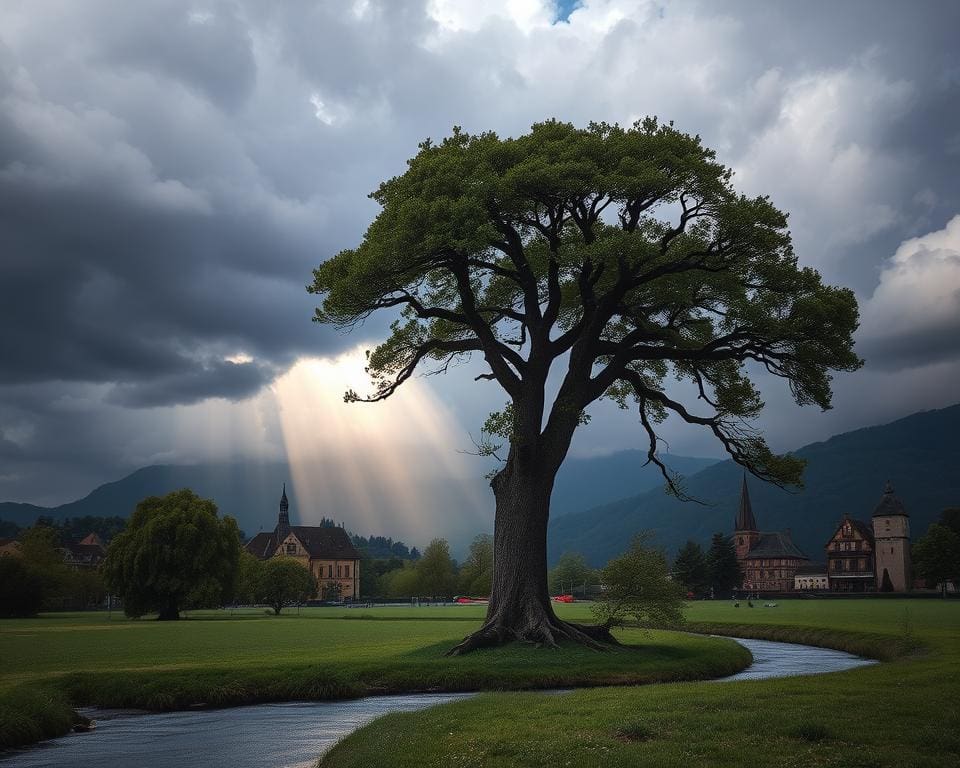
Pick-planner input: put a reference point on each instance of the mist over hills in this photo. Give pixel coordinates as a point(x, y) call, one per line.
point(919, 454)
point(250, 491)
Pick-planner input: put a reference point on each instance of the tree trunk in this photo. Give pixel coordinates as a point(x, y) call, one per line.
point(520, 607)
point(169, 612)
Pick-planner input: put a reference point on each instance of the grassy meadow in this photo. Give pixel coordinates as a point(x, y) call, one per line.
point(223, 658)
point(905, 712)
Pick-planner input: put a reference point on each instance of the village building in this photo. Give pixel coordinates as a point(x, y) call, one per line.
point(812, 577)
point(89, 552)
point(850, 557)
point(768, 561)
point(891, 534)
point(325, 550)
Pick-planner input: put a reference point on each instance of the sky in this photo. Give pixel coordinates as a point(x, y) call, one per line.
point(171, 172)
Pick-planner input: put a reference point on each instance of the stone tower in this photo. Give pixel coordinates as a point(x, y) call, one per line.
point(745, 532)
point(891, 533)
point(283, 521)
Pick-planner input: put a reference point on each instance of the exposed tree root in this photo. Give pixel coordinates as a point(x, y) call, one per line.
point(546, 631)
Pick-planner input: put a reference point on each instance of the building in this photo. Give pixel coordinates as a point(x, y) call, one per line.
point(327, 551)
point(891, 533)
point(850, 557)
point(811, 578)
point(89, 552)
point(768, 561)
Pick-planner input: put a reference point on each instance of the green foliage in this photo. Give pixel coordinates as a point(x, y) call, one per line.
point(249, 573)
point(85, 587)
point(722, 566)
point(936, 556)
point(476, 573)
point(691, 570)
point(284, 581)
point(76, 528)
point(637, 588)
point(22, 587)
point(174, 547)
point(40, 549)
point(436, 573)
point(9, 530)
point(510, 247)
point(571, 575)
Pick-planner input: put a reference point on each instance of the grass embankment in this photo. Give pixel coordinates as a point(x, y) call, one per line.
point(902, 713)
point(53, 663)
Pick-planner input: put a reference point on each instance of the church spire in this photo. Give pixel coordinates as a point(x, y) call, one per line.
point(283, 521)
point(745, 519)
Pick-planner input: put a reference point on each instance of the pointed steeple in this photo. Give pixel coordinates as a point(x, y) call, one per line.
point(283, 521)
point(745, 519)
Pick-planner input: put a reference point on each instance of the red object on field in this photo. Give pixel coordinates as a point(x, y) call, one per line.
point(562, 599)
point(471, 600)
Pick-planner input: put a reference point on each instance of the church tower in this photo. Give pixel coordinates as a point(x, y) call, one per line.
point(891, 533)
point(283, 521)
point(745, 532)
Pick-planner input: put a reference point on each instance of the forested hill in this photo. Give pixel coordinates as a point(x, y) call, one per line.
point(919, 454)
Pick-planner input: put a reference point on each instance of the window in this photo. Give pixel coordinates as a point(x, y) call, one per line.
point(329, 571)
point(291, 548)
point(339, 571)
point(346, 571)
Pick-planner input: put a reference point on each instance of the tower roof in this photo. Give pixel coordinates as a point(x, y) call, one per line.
point(889, 504)
point(745, 520)
point(284, 504)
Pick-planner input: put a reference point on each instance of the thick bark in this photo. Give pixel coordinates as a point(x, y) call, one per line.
point(520, 607)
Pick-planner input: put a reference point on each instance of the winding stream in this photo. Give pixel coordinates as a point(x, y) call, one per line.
point(293, 735)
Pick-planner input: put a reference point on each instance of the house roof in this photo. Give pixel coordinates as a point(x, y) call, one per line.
point(889, 504)
point(777, 544)
point(811, 569)
point(745, 520)
point(319, 541)
point(865, 530)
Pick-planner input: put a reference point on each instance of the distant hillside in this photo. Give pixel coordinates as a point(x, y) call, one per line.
point(588, 482)
point(919, 454)
point(250, 492)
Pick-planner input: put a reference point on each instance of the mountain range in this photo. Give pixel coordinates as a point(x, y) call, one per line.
point(599, 503)
point(919, 455)
point(250, 491)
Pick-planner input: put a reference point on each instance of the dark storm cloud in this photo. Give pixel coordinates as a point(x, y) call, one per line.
point(170, 172)
point(233, 381)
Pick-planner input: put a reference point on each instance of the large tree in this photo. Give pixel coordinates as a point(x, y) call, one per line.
point(174, 547)
point(620, 256)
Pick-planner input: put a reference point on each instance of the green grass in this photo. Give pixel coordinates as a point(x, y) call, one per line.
point(220, 659)
point(905, 712)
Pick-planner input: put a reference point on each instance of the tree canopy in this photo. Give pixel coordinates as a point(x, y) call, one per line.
point(621, 256)
point(173, 547)
point(627, 251)
point(284, 581)
point(637, 586)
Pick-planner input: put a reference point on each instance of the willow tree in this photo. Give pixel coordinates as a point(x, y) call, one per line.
point(622, 257)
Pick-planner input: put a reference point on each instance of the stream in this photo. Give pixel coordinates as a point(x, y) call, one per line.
point(294, 735)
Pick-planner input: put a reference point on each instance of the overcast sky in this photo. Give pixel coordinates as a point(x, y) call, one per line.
point(170, 172)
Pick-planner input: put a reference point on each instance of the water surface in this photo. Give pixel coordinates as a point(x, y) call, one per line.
point(294, 735)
